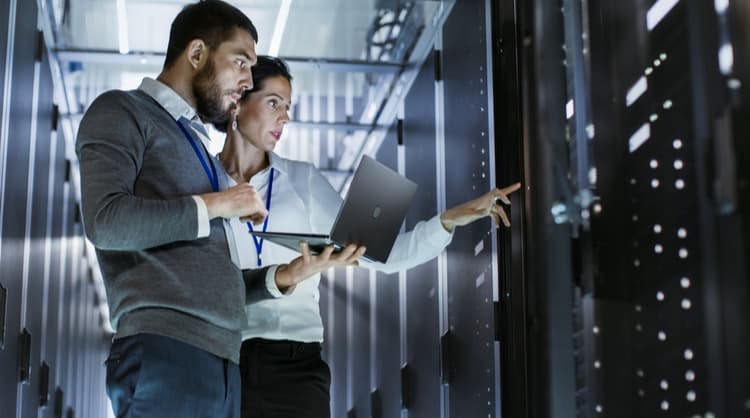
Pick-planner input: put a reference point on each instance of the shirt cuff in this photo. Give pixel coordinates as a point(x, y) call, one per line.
point(271, 283)
point(204, 224)
point(436, 234)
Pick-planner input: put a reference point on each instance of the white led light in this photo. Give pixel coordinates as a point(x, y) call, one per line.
point(657, 12)
point(682, 233)
point(570, 109)
point(688, 354)
point(122, 27)
point(279, 27)
point(657, 229)
point(690, 396)
point(726, 59)
point(653, 164)
point(677, 144)
point(685, 282)
point(689, 375)
point(639, 137)
point(686, 304)
point(678, 164)
point(636, 91)
point(721, 6)
point(660, 296)
point(664, 384)
point(654, 183)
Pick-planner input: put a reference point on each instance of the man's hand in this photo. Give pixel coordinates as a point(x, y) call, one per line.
point(306, 265)
point(486, 205)
point(241, 200)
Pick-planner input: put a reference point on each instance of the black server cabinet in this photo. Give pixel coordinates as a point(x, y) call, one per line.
point(385, 398)
point(15, 359)
point(420, 372)
point(468, 348)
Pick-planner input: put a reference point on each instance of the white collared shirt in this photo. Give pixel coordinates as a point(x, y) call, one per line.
point(304, 201)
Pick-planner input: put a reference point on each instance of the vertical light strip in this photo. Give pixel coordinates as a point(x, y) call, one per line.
point(331, 346)
point(373, 330)
point(48, 240)
point(300, 150)
point(279, 27)
point(492, 163)
point(315, 151)
point(26, 246)
point(74, 278)
point(122, 27)
point(441, 202)
point(4, 123)
point(57, 361)
point(331, 118)
point(349, 338)
point(402, 295)
point(30, 194)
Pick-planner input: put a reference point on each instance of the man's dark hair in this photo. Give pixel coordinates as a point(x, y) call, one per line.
point(266, 67)
point(213, 21)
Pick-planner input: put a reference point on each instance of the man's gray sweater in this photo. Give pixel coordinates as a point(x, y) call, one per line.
point(138, 173)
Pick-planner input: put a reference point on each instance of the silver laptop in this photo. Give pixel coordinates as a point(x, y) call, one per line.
point(371, 215)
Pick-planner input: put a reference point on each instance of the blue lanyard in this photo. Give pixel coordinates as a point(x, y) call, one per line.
point(212, 177)
point(259, 241)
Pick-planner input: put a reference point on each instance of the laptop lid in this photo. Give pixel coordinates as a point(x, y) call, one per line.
point(371, 214)
point(374, 209)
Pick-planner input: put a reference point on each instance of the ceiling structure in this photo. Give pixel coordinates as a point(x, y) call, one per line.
point(347, 57)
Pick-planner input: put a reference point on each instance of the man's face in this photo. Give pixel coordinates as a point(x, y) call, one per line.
point(222, 79)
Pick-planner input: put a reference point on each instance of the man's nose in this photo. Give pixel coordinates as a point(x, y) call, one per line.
point(246, 83)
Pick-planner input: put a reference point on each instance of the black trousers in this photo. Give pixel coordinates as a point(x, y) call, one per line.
point(284, 379)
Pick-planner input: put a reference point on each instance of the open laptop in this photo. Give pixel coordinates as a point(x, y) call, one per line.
point(371, 215)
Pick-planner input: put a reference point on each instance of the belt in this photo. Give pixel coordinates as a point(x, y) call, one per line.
point(281, 347)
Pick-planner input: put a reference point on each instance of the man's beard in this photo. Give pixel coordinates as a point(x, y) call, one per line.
point(208, 97)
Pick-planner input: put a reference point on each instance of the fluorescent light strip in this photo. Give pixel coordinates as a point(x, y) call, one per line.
point(657, 12)
point(122, 27)
point(636, 91)
point(639, 137)
point(278, 29)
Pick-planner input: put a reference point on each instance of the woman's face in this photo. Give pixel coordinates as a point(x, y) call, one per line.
point(264, 113)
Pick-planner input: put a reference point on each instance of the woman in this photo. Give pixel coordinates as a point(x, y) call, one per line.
point(283, 374)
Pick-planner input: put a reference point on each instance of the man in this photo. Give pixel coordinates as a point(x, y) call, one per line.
point(153, 209)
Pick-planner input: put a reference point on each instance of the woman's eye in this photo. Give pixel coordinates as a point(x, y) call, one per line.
point(273, 103)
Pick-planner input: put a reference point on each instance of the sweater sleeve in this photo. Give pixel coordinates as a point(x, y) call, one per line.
point(110, 148)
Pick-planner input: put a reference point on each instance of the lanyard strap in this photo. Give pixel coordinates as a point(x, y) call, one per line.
point(256, 240)
point(212, 177)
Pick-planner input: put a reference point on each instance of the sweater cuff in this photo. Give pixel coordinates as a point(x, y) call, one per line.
point(204, 226)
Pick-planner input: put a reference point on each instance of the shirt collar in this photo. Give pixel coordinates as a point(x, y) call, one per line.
point(278, 163)
point(172, 102)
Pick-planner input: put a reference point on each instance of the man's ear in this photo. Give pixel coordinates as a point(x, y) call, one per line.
point(197, 51)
